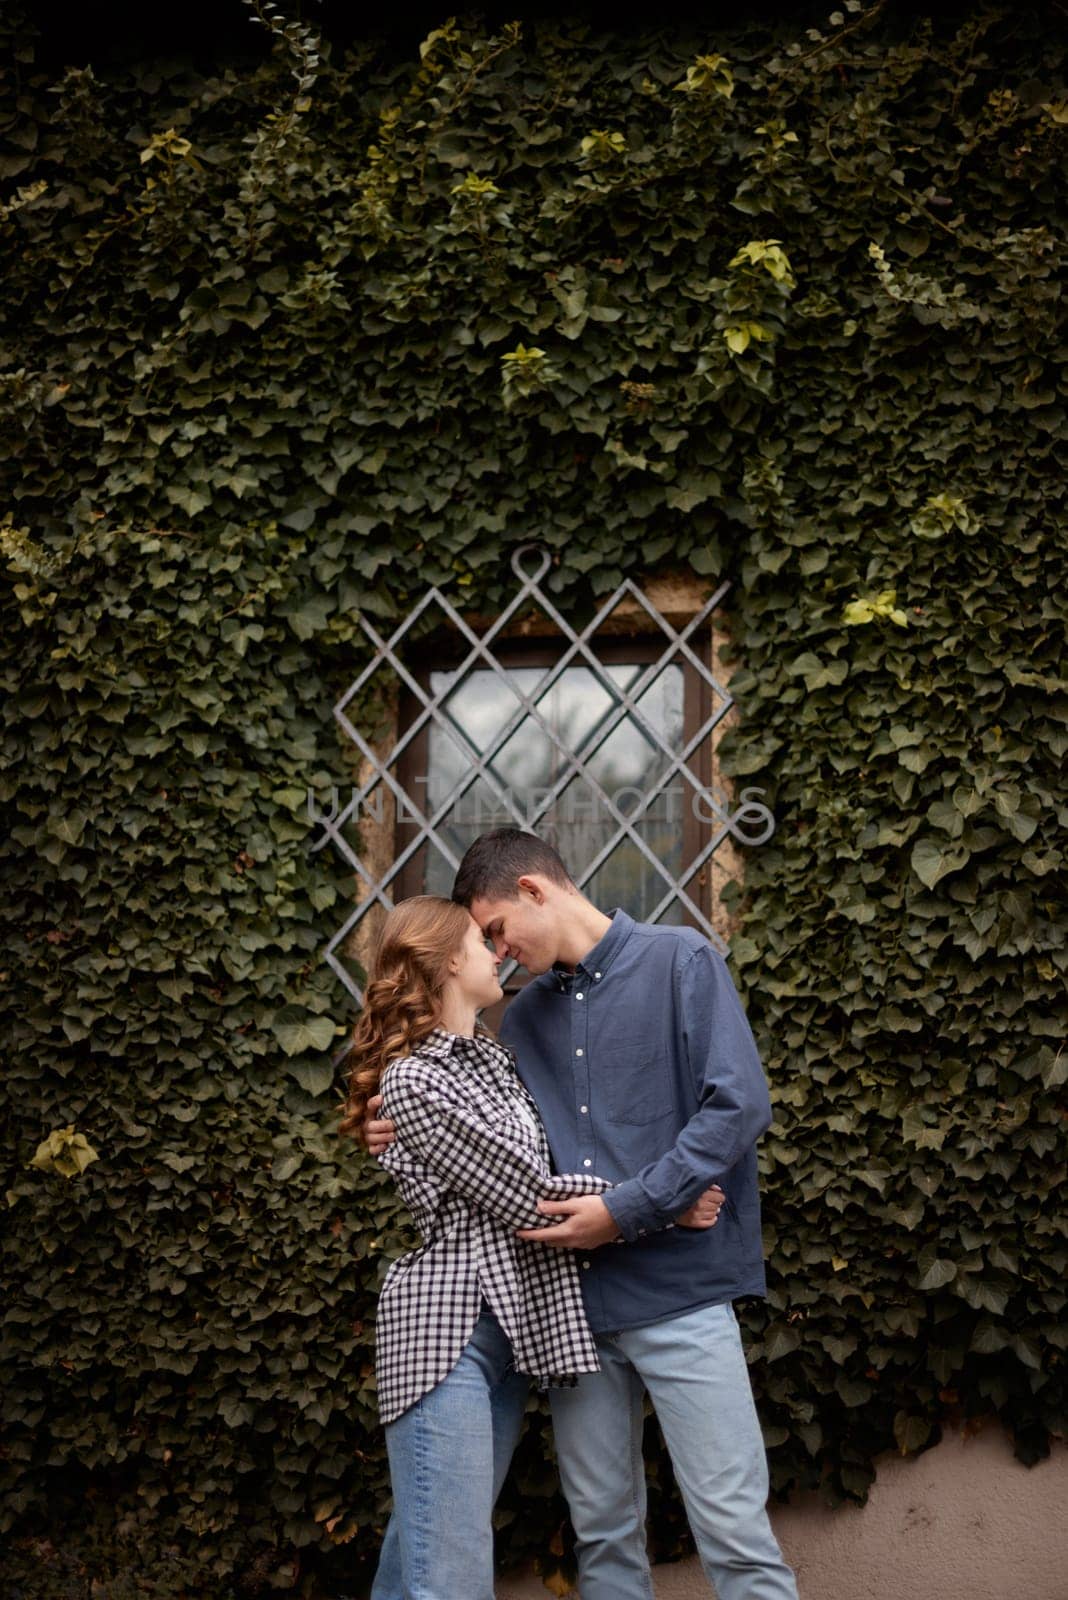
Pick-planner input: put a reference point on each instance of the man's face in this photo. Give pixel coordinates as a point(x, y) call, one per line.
point(522, 928)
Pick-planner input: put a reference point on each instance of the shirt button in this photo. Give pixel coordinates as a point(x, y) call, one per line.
point(596, 976)
point(587, 1162)
point(585, 1110)
point(585, 1265)
point(579, 997)
point(578, 1052)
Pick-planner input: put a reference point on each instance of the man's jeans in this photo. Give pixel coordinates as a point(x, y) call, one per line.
point(694, 1369)
point(448, 1456)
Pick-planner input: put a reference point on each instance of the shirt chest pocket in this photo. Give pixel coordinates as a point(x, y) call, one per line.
point(638, 1089)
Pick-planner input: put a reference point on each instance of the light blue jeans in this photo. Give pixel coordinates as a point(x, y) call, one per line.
point(694, 1369)
point(448, 1457)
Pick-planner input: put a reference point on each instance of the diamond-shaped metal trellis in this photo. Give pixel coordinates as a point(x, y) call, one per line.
point(751, 822)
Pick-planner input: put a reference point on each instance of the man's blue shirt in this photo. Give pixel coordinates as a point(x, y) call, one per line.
point(645, 1072)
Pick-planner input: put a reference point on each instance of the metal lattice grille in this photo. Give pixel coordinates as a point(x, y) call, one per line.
point(751, 822)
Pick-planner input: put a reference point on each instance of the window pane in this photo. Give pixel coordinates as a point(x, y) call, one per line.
point(618, 754)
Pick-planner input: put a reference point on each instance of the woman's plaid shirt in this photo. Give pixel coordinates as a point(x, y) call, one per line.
point(471, 1160)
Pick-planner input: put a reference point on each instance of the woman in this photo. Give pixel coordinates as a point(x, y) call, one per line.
point(461, 1318)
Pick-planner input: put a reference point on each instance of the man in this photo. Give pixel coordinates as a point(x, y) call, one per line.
point(634, 1045)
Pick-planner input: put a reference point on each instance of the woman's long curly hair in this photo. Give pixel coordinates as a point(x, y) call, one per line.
point(404, 993)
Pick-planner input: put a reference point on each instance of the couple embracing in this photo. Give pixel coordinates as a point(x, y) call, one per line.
point(586, 1189)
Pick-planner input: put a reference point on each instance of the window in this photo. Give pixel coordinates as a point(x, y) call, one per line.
point(531, 755)
point(599, 737)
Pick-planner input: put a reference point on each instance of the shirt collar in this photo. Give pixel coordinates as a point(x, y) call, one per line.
point(597, 961)
point(439, 1044)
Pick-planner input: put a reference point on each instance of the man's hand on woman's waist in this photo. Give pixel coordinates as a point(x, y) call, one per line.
point(587, 1222)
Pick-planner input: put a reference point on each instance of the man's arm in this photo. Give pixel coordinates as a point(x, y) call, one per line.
point(734, 1110)
point(587, 1222)
point(583, 1225)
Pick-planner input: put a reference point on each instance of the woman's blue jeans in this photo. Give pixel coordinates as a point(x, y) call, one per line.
point(448, 1456)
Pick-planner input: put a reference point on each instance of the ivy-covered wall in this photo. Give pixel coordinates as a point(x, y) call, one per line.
point(307, 332)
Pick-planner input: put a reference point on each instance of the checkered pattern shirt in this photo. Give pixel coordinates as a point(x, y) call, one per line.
point(471, 1160)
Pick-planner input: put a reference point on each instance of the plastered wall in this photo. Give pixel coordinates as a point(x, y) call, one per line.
point(964, 1521)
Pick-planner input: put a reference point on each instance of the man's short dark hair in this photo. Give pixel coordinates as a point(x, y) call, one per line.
point(493, 865)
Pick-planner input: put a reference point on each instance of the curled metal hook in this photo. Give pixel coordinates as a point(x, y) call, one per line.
point(544, 559)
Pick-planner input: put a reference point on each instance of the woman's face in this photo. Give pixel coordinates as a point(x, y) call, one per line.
point(476, 977)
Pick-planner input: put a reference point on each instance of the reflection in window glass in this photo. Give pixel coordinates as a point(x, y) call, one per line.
point(585, 719)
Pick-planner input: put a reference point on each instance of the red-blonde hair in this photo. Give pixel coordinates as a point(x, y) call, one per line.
point(404, 993)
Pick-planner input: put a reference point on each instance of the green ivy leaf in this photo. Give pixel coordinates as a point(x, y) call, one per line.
point(781, 1341)
point(315, 1078)
point(934, 1271)
point(933, 860)
point(298, 1032)
point(911, 1433)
